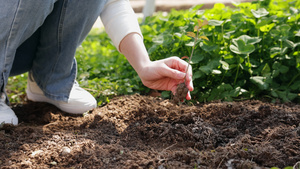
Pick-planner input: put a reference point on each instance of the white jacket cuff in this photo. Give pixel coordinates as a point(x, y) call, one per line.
point(119, 20)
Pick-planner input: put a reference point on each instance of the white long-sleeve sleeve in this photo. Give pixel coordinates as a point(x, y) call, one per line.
point(119, 20)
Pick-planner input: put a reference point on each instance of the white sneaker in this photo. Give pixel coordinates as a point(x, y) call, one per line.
point(7, 115)
point(80, 101)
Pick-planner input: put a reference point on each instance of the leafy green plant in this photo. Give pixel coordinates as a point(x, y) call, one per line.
point(253, 50)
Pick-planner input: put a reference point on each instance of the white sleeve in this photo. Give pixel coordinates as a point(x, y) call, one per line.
point(119, 20)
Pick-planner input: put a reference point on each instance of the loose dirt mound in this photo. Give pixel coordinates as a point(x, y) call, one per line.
point(146, 132)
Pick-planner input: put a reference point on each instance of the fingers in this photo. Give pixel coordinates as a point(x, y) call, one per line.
point(175, 68)
point(172, 73)
point(189, 84)
point(188, 96)
point(176, 63)
point(180, 65)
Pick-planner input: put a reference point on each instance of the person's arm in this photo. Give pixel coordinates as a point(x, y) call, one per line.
point(122, 26)
point(163, 74)
point(119, 20)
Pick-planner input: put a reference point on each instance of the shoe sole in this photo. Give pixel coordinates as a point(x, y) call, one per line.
point(72, 109)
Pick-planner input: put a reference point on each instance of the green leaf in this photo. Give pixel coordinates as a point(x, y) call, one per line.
point(284, 28)
point(295, 85)
point(196, 7)
point(284, 69)
point(225, 65)
point(277, 51)
point(244, 44)
point(208, 46)
point(216, 72)
point(237, 17)
point(238, 91)
point(197, 59)
point(158, 40)
point(219, 6)
point(286, 96)
point(249, 40)
point(266, 71)
point(190, 44)
point(291, 96)
point(224, 87)
point(281, 31)
point(297, 33)
point(267, 28)
point(240, 47)
point(278, 66)
point(275, 168)
point(178, 34)
point(215, 22)
point(260, 82)
point(165, 94)
point(260, 12)
point(290, 44)
point(198, 74)
point(206, 69)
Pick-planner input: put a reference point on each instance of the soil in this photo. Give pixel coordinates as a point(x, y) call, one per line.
point(149, 132)
point(180, 93)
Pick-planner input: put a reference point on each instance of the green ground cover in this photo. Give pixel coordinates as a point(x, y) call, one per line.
point(253, 52)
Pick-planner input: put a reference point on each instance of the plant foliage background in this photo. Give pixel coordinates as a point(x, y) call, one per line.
point(253, 52)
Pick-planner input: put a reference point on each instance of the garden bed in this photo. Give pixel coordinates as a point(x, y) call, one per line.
point(149, 132)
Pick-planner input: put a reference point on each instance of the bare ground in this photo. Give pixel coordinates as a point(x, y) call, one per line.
point(148, 132)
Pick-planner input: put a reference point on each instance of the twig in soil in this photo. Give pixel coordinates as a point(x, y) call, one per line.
point(222, 160)
point(297, 165)
point(166, 130)
point(168, 148)
point(160, 153)
point(187, 130)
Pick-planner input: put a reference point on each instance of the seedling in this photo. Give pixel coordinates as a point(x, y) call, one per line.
point(182, 90)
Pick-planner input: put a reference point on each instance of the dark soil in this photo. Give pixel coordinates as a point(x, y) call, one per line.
point(180, 94)
point(148, 132)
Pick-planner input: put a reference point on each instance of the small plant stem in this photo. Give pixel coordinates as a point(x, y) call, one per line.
point(249, 64)
point(223, 41)
point(189, 62)
point(263, 45)
point(236, 75)
point(294, 78)
point(248, 59)
point(223, 75)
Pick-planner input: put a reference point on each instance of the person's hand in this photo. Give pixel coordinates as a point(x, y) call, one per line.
point(166, 74)
point(163, 74)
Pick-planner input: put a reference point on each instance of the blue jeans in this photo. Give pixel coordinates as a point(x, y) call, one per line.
point(41, 36)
